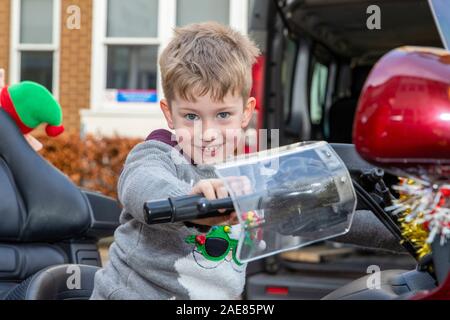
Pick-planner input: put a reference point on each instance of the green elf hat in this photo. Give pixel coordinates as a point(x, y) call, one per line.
point(31, 104)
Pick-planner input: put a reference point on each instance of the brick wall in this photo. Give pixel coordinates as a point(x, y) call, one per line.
point(75, 64)
point(5, 13)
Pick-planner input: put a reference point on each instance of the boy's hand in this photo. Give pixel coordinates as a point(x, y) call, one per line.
point(34, 143)
point(215, 189)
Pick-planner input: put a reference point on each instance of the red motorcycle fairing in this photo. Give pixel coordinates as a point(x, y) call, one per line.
point(440, 293)
point(403, 114)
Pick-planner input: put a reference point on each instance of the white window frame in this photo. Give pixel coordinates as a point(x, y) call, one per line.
point(17, 48)
point(100, 43)
point(166, 23)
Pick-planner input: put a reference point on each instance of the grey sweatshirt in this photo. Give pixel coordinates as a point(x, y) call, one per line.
point(155, 261)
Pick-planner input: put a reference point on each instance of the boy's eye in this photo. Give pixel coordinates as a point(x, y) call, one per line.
point(191, 116)
point(223, 115)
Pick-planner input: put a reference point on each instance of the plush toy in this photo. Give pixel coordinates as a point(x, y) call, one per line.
point(31, 104)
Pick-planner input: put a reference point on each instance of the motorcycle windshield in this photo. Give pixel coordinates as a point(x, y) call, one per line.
point(288, 197)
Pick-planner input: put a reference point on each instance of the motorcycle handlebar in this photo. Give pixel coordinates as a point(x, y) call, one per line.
point(185, 208)
point(192, 207)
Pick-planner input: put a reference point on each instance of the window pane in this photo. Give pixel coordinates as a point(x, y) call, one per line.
point(189, 11)
point(132, 67)
point(318, 91)
point(36, 21)
point(37, 66)
point(132, 18)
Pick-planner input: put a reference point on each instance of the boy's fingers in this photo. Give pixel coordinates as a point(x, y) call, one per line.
point(247, 186)
point(221, 193)
point(218, 188)
point(217, 183)
point(208, 191)
point(235, 186)
point(204, 188)
point(240, 185)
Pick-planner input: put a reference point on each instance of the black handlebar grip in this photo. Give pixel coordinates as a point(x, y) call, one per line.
point(158, 211)
point(185, 208)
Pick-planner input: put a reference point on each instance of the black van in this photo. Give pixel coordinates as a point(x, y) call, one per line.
point(316, 57)
point(317, 54)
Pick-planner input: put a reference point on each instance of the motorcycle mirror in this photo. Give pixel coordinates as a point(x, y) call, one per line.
point(403, 114)
point(402, 124)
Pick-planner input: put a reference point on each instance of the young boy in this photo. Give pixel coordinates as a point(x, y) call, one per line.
point(206, 77)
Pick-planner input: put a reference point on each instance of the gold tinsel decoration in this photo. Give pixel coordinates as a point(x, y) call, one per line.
point(415, 232)
point(422, 213)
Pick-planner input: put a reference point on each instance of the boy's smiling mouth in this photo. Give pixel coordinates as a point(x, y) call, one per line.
point(210, 150)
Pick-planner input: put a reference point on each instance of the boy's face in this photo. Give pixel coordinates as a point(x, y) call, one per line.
point(209, 131)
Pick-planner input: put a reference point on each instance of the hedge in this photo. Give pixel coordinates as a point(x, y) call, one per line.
point(91, 162)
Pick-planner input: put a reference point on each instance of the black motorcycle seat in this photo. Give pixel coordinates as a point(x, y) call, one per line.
point(393, 284)
point(39, 203)
point(61, 282)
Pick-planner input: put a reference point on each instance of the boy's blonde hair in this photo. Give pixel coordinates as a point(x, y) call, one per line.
point(207, 58)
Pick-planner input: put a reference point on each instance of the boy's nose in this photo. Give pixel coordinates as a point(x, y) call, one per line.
point(209, 134)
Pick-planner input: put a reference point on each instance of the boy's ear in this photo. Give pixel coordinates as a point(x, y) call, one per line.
point(164, 105)
point(248, 112)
